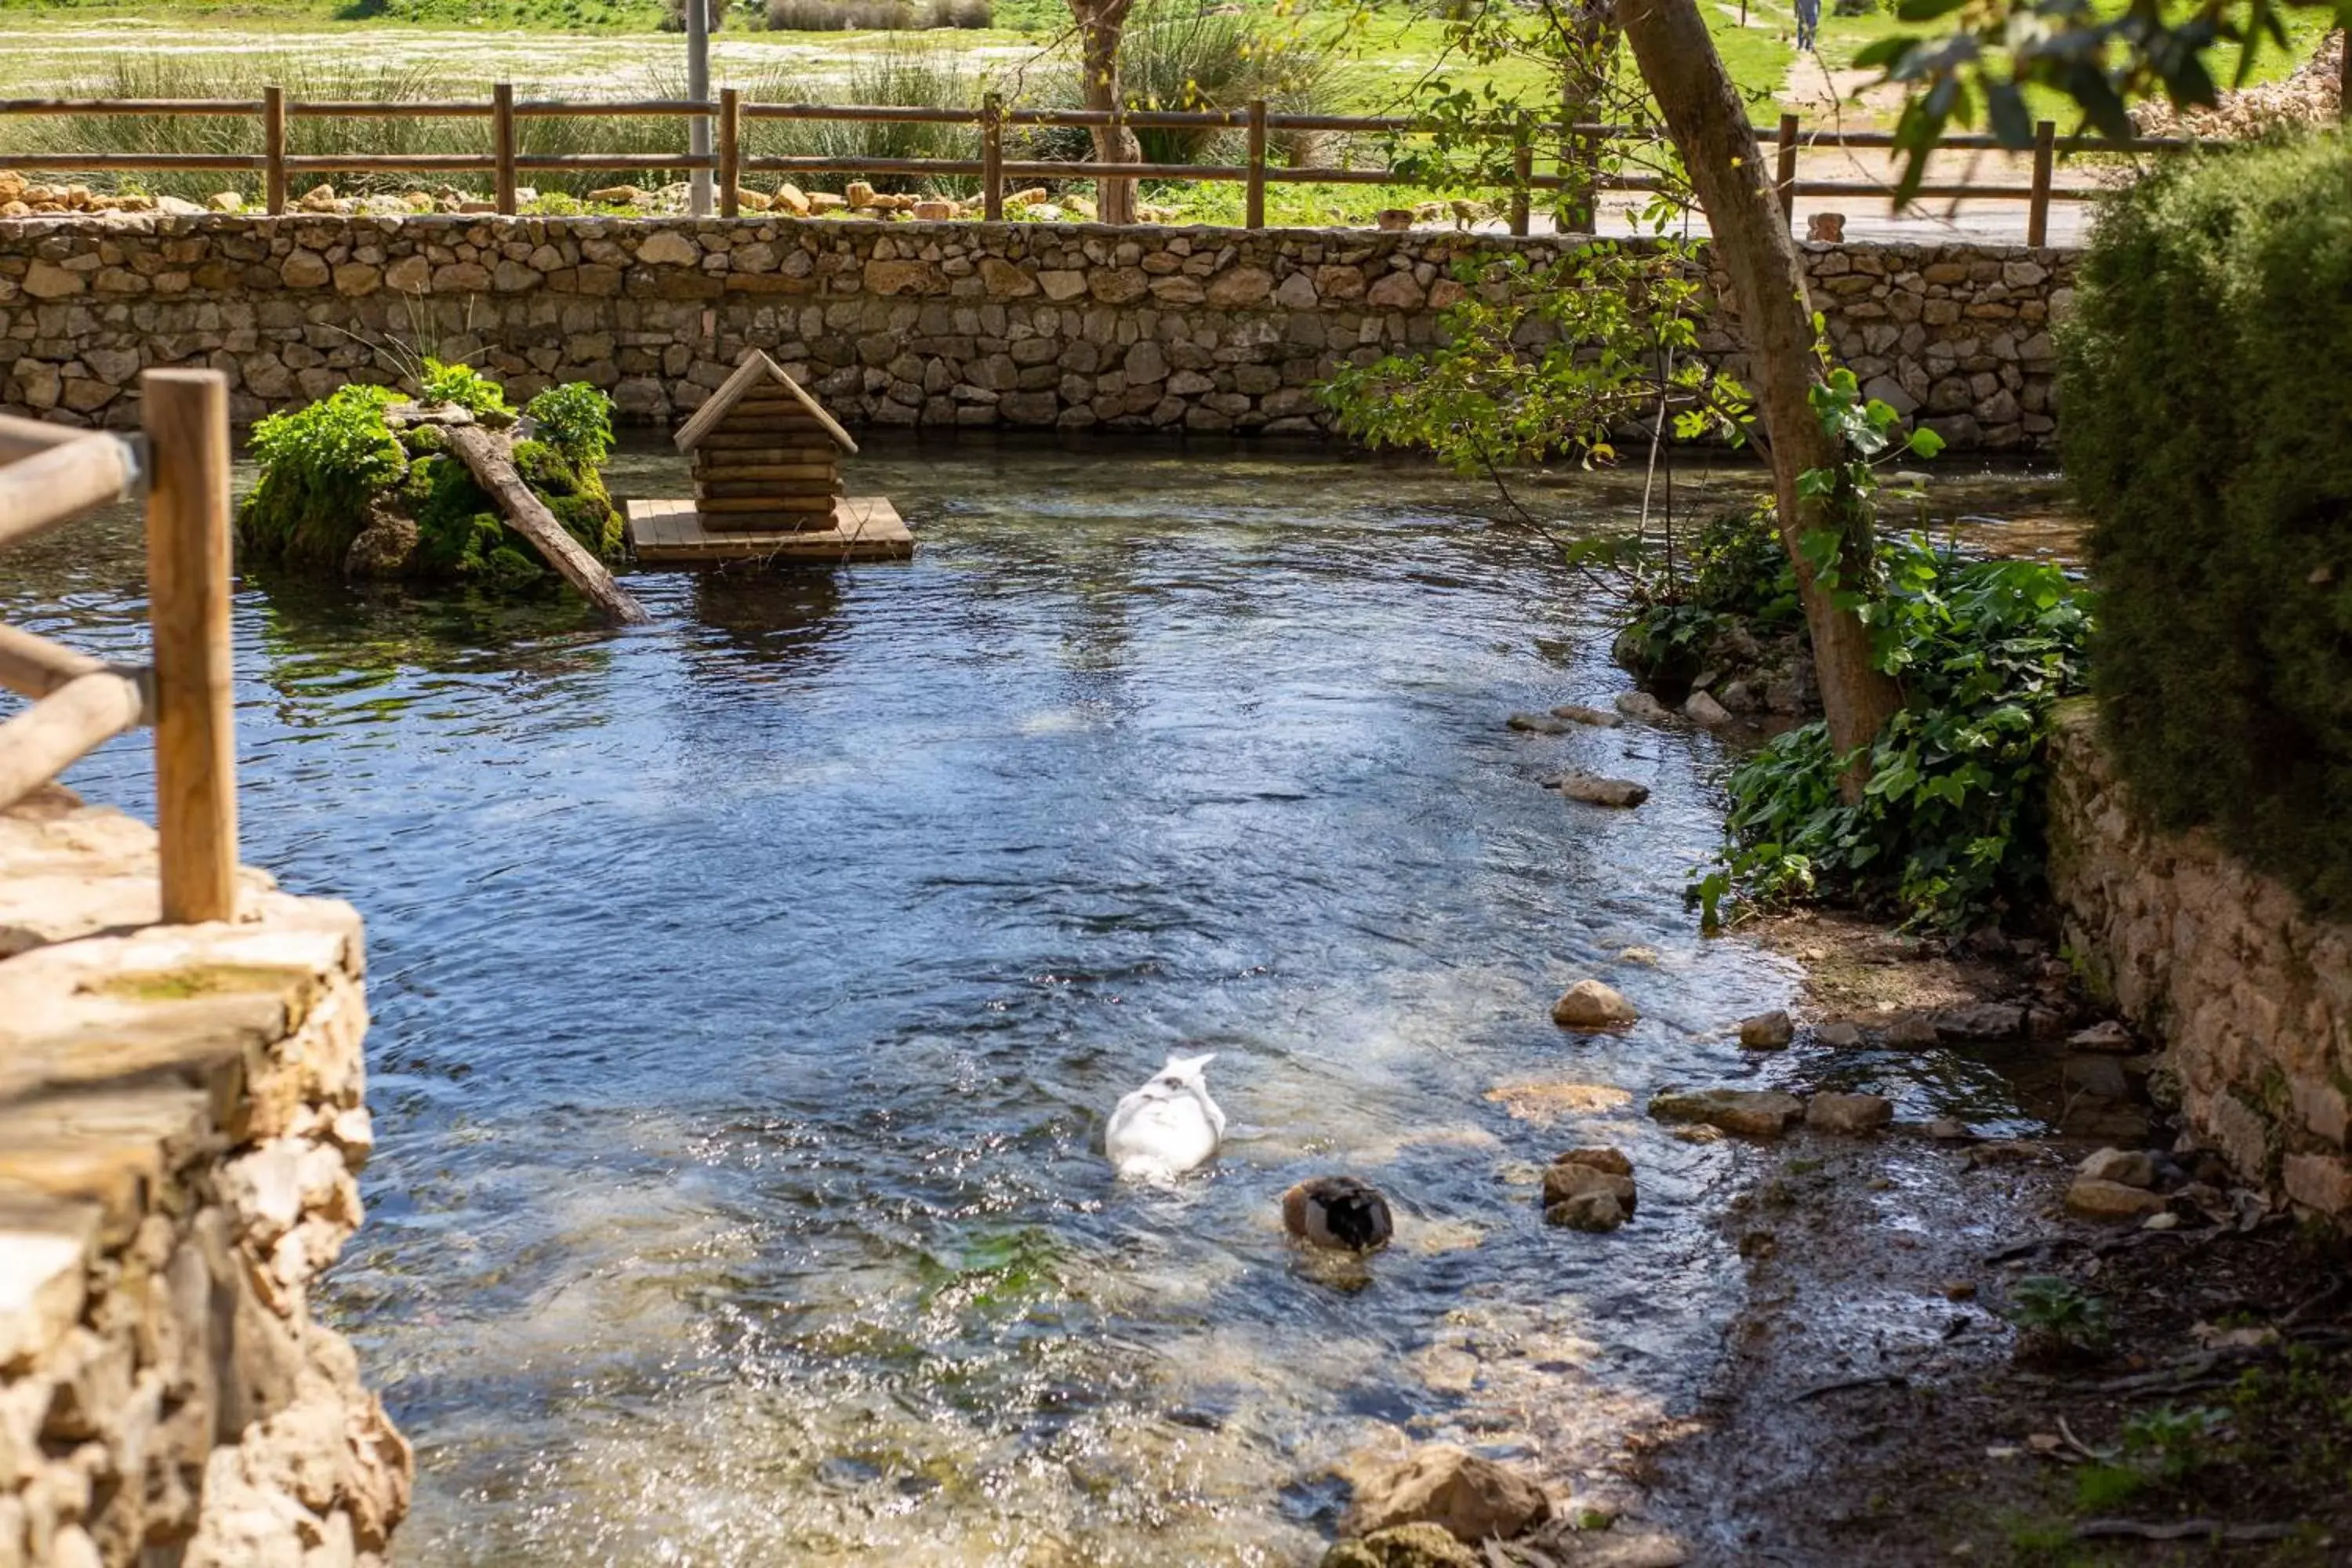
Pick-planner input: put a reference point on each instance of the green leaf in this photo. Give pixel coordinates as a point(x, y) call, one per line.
point(1924, 442)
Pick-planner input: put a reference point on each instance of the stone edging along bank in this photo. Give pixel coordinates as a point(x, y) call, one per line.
point(1032, 325)
point(2250, 995)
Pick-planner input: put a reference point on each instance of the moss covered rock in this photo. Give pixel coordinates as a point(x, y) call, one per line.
point(342, 488)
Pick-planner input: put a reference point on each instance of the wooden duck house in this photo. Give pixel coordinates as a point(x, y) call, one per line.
point(767, 483)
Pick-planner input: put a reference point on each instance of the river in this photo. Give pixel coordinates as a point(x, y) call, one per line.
point(749, 992)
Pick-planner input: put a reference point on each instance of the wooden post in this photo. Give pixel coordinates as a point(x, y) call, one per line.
point(730, 152)
point(502, 144)
point(2046, 153)
point(1785, 173)
point(273, 149)
point(992, 157)
point(1523, 169)
point(185, 415)
point(1253, 195)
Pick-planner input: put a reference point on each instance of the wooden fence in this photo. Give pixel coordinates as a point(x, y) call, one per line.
point(49, 475)
point(729, 164)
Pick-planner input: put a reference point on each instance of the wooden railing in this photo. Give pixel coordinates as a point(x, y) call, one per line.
point(49, 475)
point(728, 163)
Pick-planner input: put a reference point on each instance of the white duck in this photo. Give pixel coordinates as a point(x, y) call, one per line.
point(1169, 1126)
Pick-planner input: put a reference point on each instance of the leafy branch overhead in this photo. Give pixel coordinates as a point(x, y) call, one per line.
point(1974, 65)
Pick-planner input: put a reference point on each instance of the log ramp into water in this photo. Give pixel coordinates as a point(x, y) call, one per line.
point(488, 455)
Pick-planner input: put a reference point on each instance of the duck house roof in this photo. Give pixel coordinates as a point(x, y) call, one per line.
point(755, 370)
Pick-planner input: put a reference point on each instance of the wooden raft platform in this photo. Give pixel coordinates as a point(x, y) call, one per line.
point(672, 533)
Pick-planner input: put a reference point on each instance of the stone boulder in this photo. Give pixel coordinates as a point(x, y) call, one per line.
point(1589, 1004)
point(1538, 723)
point(1767, 1031)
point(1642, 708)
point(1577, 713)
point(1748, 1112)
point(1702, 709)
point(1472, 1499)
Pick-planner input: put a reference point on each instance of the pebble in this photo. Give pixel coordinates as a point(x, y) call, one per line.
point(1984, 1021)
point(2165, 1221)
point(1577, 713)
point(1643, 956)
point(1767, 1031)
point(1839, 1036)
point(1948, 1129)
point(1960, 1290)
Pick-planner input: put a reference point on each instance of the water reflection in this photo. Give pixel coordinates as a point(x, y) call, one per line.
point(749, 989)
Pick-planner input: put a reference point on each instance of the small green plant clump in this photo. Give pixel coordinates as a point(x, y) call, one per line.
point(342, 489)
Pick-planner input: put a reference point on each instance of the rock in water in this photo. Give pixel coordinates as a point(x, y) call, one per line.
point(1704, 710)
point(1471, 1498)
point(1839, 1035)
point(1749, 1113)
point(1767, 1031)
point(1849, 1113)
point(1641, 707)
point(1589, 1004)
point(1537, 723)
point(1169, 1126)
point(1590, 1189)
point(1595, 789)
point(1577, 713)
point(1406, 1546)
point(2108, 1036)
point(1338, 1213)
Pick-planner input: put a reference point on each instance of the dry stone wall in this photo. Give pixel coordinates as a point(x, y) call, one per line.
point(935, 324)
point(2252, 997)
point(180, 1120)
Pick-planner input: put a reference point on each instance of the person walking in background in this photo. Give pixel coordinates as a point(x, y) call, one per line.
point(1809, 21)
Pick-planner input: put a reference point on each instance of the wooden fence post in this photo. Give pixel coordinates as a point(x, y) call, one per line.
point(992, 157)
point(273, 149)
point(730, 153)
point(1254, 193)
point(1523, 169)
point(2045, 154)
point(1786, 171)
point(502, 144)
point(185, 415)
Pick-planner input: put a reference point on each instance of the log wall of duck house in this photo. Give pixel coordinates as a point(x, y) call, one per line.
point(768, 465)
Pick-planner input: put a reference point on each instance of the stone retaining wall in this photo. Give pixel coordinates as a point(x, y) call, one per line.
point(960, 324)
point(179, 1122)
point(2252, 997)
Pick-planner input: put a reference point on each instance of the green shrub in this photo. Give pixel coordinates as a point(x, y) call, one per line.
point(464, 385)
point(2207, 409)
point(1952, 830)
point(319, 466)
point(575, 419)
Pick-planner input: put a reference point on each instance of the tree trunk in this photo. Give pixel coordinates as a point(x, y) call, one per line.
point(1751, 246)
point(493, 468)
point(1590, 38)
point(1100, 24)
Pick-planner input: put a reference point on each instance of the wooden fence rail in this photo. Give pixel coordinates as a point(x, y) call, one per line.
point(503, 161)
point(49, 475)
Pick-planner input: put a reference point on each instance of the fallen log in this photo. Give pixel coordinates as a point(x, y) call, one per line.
point(493, 468)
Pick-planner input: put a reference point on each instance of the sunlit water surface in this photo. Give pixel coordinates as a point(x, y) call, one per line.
point(750, 991)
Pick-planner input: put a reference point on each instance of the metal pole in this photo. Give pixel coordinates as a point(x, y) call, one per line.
point(697, 88)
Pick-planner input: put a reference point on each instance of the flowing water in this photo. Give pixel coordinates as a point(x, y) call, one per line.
point(750, 991)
